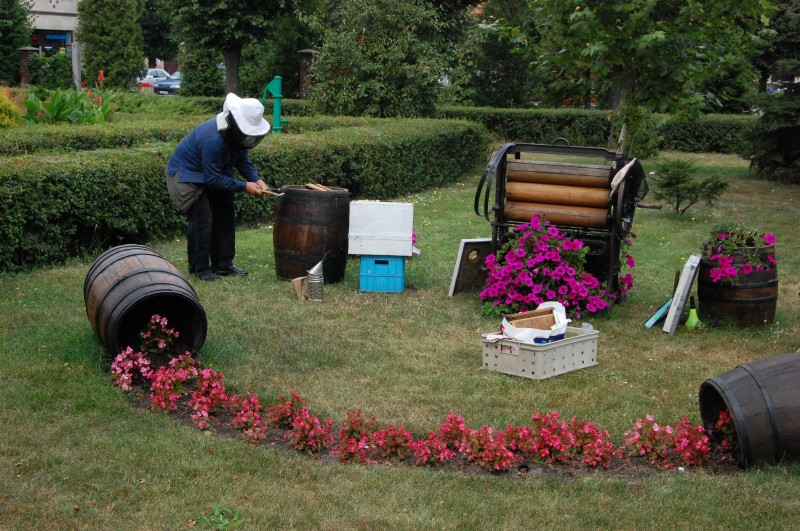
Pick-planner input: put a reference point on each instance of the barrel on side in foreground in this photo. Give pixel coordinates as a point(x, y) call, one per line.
point(126, 285)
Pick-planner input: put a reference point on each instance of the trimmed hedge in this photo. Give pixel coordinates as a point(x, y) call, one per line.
point(538, 126)
point(54, 206)
point(117, 135)
point(713, 133)
point(137, 130)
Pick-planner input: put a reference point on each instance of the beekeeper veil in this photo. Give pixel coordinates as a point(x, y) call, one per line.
point(242, 122)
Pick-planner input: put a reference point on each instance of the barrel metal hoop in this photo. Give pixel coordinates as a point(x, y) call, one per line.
point(100, 261)
point(118, 282)
point(106, 260)
point(770, 410)
point(132, 298)
point(741, 426)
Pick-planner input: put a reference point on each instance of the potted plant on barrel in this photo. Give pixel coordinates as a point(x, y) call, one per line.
point(738, 276)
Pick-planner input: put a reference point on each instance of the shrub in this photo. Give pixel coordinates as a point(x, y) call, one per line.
point(56, 206)
point(69, 106)
point(201, 75)
point(676, 184)
point(120, 134)
point(774, 141)
point(708, 134)
point(9, 114)
point(538, 126)
point(53, 72)
point(380, 59)
point(714, 133)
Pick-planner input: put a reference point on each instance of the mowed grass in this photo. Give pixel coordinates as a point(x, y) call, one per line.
point(74, 453)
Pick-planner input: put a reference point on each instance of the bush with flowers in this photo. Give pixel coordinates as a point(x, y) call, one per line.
point(246, 411)
point(668, 445)
point(182, 384)
point(735, 249)
point(541, 264)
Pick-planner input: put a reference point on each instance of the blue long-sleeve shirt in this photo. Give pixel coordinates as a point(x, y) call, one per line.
point(204, 157)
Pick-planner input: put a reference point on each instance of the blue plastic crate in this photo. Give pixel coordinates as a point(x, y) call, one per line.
point(383, 273)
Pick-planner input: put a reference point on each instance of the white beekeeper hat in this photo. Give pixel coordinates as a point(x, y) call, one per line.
point(248, 113)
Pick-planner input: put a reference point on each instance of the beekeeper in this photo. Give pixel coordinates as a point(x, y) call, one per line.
point(201, 184)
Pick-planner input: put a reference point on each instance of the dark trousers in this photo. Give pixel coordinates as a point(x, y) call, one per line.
point(211, 232)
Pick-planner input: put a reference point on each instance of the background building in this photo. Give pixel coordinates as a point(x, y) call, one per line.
point(55, 24)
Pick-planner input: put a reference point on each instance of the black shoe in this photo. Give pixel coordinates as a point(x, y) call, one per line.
point(207, 275)
point(231, 270)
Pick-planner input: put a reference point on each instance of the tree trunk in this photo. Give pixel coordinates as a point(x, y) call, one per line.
point(232, 57)
point(617, 100)
point(618, 89)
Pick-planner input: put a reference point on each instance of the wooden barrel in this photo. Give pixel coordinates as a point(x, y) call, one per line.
point(127, 285)
point(310, 226)
point(749, 301)
point(763, 400)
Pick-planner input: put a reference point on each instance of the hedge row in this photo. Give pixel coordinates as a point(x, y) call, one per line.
point(538, 126)
point(69, 138)
point(714, 133)
point(54, 206)
point(128, 131)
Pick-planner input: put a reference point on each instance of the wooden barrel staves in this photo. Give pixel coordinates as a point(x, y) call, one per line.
point(127, 285)
point(749, 301)
point(311, 226)
point(763, 400)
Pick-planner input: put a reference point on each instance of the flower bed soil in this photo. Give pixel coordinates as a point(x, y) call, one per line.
point(719, 463)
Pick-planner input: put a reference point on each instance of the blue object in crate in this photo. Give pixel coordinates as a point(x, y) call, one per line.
point(383, 273)
point(546, 340)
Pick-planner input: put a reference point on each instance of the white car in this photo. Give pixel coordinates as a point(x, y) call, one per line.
point(153, 76)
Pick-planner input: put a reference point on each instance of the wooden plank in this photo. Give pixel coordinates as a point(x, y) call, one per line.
point(681, 294)
point(557, 194)
point(660, 314)
point(575, 168)
point(469, 273)
point(573, 216)
point(555, 173)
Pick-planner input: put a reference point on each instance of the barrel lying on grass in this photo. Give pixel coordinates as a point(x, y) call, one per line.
point(127, 285)
point(763, 399)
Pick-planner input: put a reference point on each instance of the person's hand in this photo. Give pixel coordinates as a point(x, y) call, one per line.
point(254, 189)
point(261, 184)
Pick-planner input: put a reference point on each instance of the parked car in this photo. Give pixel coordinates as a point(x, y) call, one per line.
point(153, 75)
point(171, 85)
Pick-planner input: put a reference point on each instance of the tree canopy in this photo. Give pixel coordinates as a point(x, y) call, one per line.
point(650, 55)
point(379, 58)
point(112, 40)
point(156, 25)
point(226, 26)
point(774, 147)
point(783, 46)
point(15, 32)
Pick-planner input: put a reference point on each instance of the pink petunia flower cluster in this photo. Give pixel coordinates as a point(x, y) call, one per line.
point(735, 250)
point(542, 264)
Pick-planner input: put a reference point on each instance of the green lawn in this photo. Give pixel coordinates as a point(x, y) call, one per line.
point(74, 453)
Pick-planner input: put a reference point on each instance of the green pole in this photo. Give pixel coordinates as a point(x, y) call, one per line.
point(274, 88)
